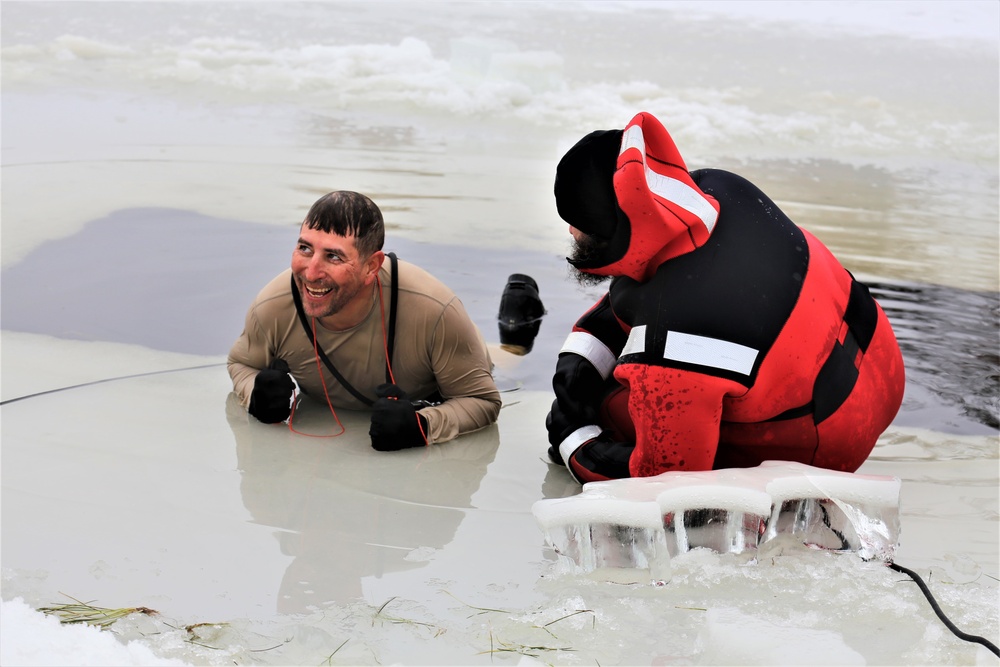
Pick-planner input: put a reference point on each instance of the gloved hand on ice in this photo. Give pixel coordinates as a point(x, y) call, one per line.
point(271, 399)
point(396, 424)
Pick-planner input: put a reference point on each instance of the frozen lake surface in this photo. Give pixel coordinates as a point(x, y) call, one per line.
point(156, 161)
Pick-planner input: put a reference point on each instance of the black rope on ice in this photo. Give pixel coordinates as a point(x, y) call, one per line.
point(940, 614)
point(120, 377)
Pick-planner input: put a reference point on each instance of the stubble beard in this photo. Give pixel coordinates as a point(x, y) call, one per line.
point(339, 296)
point(586, 249)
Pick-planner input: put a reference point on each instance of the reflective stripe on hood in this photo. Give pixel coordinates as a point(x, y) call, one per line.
point(667, 213)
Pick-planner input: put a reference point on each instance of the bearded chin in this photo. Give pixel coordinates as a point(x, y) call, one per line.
point(587, 249)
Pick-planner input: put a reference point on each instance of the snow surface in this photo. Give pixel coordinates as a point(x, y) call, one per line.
point(32, 638)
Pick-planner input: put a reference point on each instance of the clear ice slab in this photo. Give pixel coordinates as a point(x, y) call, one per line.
point(637, 525)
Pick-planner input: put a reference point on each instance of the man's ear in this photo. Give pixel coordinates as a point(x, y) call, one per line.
point(372, 266)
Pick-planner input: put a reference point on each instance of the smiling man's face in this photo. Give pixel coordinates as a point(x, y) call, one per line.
point(330, 274)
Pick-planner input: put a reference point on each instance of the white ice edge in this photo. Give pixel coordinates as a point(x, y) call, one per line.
point(732, 498)
point(552, 513)
point(874, 492)
point(641, 502)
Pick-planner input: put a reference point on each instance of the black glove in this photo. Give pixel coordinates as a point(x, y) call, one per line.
point(395, 422)
point(271, 399)
point(600, 459)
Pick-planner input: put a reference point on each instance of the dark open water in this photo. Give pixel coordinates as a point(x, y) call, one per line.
point(191, 294)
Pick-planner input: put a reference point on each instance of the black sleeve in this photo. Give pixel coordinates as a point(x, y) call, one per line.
point(579, 383)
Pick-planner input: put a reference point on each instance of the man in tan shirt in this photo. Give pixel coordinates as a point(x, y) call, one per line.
point(362, 312)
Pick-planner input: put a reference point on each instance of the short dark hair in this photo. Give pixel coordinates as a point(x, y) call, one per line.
point(349, 213)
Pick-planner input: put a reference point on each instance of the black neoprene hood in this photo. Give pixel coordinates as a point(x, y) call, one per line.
point(585, 194)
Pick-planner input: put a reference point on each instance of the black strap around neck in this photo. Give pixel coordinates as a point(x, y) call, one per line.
point(390, 335)
point(393, 300)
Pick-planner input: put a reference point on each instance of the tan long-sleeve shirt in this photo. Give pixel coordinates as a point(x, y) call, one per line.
point(437, 348)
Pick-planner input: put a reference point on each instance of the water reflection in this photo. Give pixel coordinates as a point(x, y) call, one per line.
point(949, 338)
point(343, 511)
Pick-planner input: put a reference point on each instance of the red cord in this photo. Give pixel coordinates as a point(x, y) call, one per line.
point(319, 368)
point(333, 412)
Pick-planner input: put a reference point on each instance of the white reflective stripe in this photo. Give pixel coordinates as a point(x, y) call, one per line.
point(668, 188)
point(577, 438)
point(683, 195)
point(636, 342)
point(590, 348)
point(632, 138)
point(711, 352)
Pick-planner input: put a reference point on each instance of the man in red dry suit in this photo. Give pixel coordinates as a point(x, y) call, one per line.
point(728, 335)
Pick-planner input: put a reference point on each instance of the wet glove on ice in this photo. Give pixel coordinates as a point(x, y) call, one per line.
point(271, 399)
point(395, 422)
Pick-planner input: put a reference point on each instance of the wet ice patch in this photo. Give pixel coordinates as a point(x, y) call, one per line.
point(421, 555)
point(734, 638)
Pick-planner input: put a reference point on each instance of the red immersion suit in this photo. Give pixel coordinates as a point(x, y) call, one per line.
point(728, 335)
